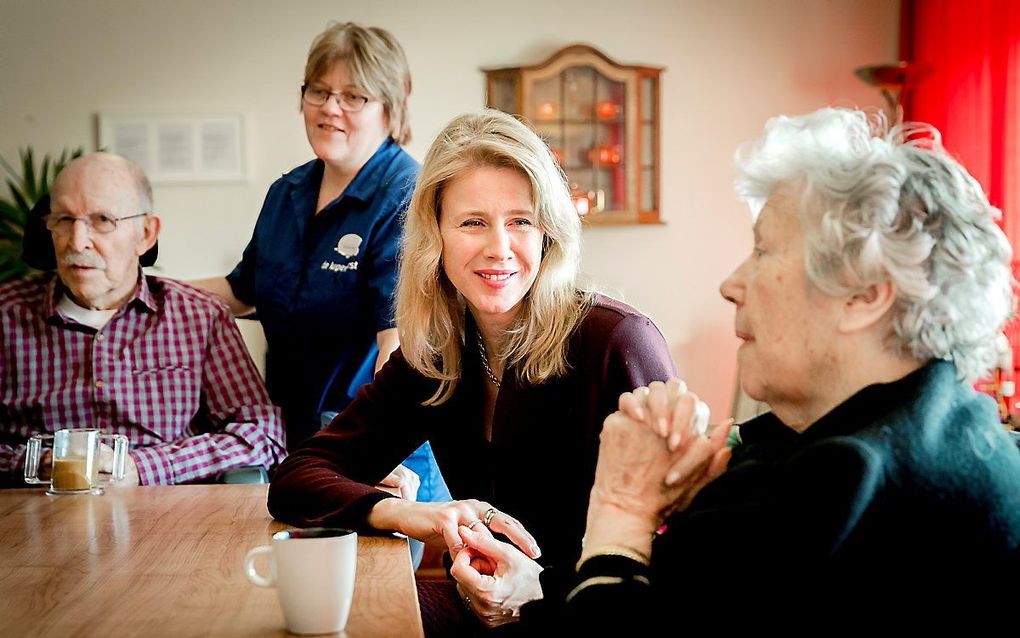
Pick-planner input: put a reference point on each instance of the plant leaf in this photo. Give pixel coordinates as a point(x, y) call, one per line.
point(44, 177)
point(26, 188)
point(12, 213)
point(28, 175)
point(19, 199)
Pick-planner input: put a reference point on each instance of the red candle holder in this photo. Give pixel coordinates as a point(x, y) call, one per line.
point(606, 154)
point(547, 110)
point(607, 109)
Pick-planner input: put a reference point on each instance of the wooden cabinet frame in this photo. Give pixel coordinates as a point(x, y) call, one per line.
point(512, 89)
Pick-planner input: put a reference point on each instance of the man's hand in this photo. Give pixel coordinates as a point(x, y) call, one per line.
point(45, 470)
point(131, 477)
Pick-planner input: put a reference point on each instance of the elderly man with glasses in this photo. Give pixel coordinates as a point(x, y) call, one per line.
point(100, 344)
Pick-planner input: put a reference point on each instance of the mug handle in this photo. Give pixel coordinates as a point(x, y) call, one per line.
point(33, 453)
point(253, 574)
point(120, 448)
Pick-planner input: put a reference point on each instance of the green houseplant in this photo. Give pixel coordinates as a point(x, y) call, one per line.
point(25, 187)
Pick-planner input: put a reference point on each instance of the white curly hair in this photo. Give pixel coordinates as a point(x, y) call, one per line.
point(881, 205)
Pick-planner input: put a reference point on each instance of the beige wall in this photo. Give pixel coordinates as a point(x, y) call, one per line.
point(729, 65)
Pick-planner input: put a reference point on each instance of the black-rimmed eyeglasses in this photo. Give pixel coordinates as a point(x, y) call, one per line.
point(346, 100)
point(101, 223)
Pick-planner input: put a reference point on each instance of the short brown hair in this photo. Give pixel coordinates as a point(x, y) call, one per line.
point(376, 64)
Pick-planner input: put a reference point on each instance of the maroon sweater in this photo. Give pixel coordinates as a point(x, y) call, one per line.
point(539, 465)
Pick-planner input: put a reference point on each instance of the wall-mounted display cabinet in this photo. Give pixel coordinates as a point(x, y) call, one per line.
point(601, 121)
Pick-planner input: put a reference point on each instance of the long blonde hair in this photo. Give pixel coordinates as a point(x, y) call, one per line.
point(430, 312)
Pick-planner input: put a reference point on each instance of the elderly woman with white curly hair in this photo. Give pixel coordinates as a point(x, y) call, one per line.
point(876, 288)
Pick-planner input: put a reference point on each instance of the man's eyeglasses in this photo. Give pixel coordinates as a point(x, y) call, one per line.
point(317, 96)
point(101, 223)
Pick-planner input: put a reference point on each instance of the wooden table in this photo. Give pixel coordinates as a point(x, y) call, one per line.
point(167, 561)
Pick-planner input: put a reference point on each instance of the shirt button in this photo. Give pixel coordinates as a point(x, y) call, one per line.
point(100, 384)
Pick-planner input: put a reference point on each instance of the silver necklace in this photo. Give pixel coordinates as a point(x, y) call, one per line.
point(485, 361)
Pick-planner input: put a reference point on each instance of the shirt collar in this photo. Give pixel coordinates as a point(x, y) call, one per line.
point(857, 412)
point(142, 295)
point(880, 399)
point(364, 185)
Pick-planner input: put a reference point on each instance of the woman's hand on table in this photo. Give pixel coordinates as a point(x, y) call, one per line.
point(438, 523)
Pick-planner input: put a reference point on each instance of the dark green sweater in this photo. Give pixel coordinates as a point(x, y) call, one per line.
point(908, 491)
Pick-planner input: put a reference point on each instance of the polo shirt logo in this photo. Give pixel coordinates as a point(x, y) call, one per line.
point(348, 245)
point(332, 266)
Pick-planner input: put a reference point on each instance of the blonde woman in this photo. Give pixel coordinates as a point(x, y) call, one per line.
point(507, 365)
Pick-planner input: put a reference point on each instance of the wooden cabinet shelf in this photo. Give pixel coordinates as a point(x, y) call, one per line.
point(601, 121)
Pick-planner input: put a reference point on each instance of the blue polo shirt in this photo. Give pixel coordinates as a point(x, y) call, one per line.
point(323, 284)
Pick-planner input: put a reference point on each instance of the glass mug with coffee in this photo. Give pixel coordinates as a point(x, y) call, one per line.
point(75, 465)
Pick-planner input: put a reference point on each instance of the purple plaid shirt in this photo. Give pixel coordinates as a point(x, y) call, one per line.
point(169, 371)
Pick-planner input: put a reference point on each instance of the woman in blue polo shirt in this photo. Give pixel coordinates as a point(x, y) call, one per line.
point(320, 268)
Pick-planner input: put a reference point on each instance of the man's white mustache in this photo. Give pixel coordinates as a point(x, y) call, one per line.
point(84, 258)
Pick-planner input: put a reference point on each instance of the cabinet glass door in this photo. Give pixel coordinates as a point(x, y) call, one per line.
point(601, 122)
point(581, 114)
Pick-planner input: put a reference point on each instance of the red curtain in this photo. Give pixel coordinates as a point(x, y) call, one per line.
point(973, 97)
point(973, 92)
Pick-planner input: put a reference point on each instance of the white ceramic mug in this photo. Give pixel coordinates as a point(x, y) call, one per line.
point(313, 572)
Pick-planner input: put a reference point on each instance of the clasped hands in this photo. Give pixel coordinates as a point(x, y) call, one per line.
point(654, 454)
point(457, 525)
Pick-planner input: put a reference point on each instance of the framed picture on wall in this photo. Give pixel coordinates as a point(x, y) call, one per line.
point(178, 148)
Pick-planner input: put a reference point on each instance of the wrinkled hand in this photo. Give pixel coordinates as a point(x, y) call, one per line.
point(653, 455)
point(494, 578)
point(131, 477)
point(657, 405)
point(404, 480)
point(653, 460)
point(437, 523)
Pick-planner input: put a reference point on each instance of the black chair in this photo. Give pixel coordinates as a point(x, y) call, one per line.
point(247, 474)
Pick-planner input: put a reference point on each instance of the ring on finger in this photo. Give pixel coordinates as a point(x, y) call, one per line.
point(700, 417)
point(471, 525)
point(489, 513)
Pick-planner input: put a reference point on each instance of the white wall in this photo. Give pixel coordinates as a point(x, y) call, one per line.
point(730, 65)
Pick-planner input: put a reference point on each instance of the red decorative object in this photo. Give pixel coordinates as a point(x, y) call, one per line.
point(557, 154)
point(606, 154)
point(607, 109)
